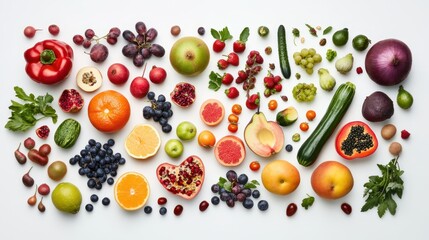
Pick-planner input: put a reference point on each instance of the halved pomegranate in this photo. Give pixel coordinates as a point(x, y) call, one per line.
point(43, 132)
point(71, 101)
point(184, 180)
point(183, 94)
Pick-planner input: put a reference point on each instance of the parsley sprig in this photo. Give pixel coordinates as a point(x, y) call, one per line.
point(25, 115)
point(380, 190)
point(307, 202)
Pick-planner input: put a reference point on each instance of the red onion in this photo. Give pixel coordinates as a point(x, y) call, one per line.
point(388, 62)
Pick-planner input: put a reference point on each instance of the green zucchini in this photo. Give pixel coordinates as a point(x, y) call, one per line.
point(310, 149)
point(67, 133)
point(283, 58)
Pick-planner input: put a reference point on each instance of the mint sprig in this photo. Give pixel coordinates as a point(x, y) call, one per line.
point(221, 35)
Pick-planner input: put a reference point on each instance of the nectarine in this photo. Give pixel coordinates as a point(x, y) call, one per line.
point(332, 180)
point(280, 177)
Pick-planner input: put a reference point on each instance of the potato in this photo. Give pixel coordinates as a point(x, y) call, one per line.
point(388, 131)
point(395, 148)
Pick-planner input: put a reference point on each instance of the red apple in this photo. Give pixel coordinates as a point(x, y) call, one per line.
point(157, 75)
point(118, 73)
point(139, 87)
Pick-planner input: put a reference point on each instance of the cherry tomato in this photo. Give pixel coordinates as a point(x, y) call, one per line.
point(254, 166)
point(236, 109)
point(272, 105)
point(232, 118)
point(232, 127)
point(303, 126)
point(310, 115)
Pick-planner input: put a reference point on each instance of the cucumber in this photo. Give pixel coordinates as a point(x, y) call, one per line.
point(67, 133)
point(310, 149)
point(283, 58)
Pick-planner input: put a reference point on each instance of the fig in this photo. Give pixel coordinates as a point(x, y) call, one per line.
point(183, 94)
point(71, 101)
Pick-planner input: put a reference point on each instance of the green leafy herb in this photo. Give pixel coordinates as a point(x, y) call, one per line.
point(331, 54)
point(380, 190)
point(24, 115)
point(251, 184)
point(295, 33)
point(307, 202)
point(312, 30)
point(221, 35)
point(327, 30)
point(244, 35)
point(227, 185)
point(215, 81)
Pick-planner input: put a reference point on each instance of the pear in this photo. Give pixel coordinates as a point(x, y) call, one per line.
point(264, 138)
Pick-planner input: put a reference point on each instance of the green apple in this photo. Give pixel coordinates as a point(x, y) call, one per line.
point(173, 148)
point(189, 56)
point(186, 130)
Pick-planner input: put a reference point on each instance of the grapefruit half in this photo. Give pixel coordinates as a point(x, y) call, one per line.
point(212, 112)
point(230, 151)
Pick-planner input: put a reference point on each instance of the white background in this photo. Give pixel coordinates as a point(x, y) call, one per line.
point(378, 20)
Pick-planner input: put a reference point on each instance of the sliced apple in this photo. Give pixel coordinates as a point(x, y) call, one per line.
point(264, 138)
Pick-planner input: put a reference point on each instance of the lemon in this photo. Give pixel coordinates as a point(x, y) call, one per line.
point(66, 197)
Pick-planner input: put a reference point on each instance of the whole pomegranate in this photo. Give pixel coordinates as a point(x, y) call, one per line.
point(157, 75)
point(71, 101)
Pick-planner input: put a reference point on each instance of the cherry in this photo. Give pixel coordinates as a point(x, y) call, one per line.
point(30, 31)
point(162, 200)
point(291, 209)
point(54, 29)
point(178, 210)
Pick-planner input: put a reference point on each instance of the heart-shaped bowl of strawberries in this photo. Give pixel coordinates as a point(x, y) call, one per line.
point(185, 179)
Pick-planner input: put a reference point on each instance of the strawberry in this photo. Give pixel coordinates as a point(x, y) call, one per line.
point(232, 92)
point(240, 45)
point(269, 82)
point(220, 36)
point(277, 79)
point(253, 101)
point(233, 59)
point(222, 64)
point(227, 78)
point(218, 45)
point(278, 87)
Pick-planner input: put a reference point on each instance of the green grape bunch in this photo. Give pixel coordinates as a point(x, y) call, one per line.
point(307, 58)
point(303, 92)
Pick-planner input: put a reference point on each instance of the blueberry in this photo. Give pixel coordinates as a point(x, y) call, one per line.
point(289, 148)
point(165, 114)
point(111, 142)
point(72, 161)
point(91, 183)
point(147, 209)
point(215, 188)
point(98, 145)
point(170, 113)
point(110, 181)
point(102, 153)
point(161, 98)
point(113, 173)
point(122, 161)
point(242, 179)
point(163, 121)
point(263, 205)
point(98, 186)
point(106, 146)
point(83, 152)
point(92, 142)
point(163, 210)
point(225, 196)
point(230, 203)
point(109, 152)
point(151, 95)
point(105, 201)
point(201, 30)
point(248, 203)
point(256, 193)
point(167, 106)
point(89, 207)
point(81, 171)
point(94, 198)
point(247, 192)
point(117, 156)
point(166, 128)
point(215, 200)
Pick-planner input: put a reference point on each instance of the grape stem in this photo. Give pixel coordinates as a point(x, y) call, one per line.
point(144, 69)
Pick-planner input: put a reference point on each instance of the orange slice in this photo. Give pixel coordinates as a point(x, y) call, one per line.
point(131, 191)
point(143, 142)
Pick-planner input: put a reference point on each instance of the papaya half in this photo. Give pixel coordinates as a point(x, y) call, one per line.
point(356, 140)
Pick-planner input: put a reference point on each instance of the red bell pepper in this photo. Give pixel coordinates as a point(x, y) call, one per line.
point(49, 61)
point(356, 140)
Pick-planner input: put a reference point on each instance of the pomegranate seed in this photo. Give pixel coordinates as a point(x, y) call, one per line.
point(178, 210)
point(203, 206)
point(347, 209)
point(359, 70)
point(405, 134)
point(162, 201)
point(291, 209)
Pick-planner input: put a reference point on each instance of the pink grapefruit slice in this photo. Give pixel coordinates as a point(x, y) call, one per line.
point(230, 151)
point(212, 112)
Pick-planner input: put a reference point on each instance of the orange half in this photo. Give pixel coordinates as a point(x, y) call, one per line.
point(131, 191)
point(143, 142)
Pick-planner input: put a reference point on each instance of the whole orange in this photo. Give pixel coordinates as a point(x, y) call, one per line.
point(109, 111)
point(206, 139)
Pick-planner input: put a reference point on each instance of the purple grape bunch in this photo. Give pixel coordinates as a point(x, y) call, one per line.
point(140, 47)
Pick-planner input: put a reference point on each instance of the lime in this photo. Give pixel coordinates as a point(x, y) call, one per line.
point(340, 37)
point(360, 42)
point(66, 197)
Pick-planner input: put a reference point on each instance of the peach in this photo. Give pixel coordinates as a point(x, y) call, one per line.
point(332, 180)
point(280, 177)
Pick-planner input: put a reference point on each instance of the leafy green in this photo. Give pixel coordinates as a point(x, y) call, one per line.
point(24, 115)
point(227, 185)
point(215, 81)
point(380, 190)
point(295, 33)
point(331, 54)
point(244, 35)
point(251, 184)
point(221, 35)
point(307, 202)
